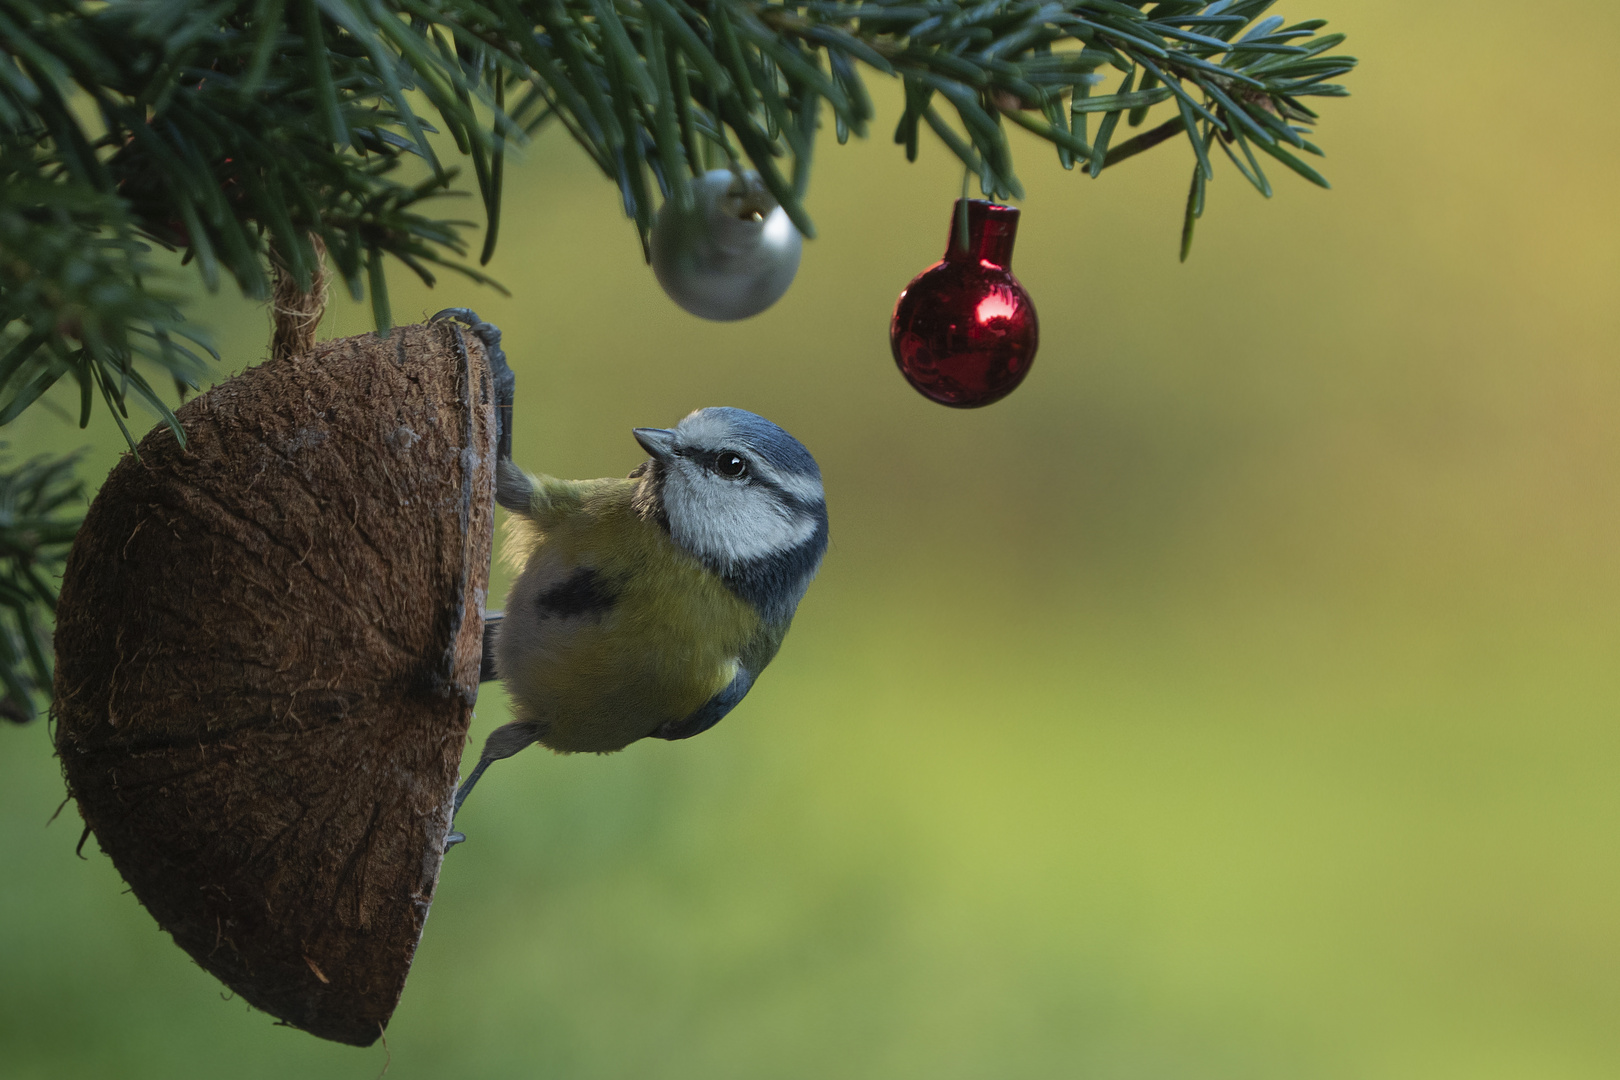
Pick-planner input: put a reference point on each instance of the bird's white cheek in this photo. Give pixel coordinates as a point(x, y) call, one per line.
point(734, 524)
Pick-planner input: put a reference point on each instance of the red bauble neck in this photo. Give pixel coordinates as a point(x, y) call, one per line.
point(991, 230)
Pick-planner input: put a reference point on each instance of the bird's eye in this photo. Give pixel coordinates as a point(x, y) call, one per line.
point(730, 465)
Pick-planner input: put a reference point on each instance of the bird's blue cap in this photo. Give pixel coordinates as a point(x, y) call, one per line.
point(749, 430)
point(769, 441)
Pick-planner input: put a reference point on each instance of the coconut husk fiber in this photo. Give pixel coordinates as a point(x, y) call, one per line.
point(268, 648)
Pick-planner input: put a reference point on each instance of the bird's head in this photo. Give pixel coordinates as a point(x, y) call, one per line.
point(744, 497)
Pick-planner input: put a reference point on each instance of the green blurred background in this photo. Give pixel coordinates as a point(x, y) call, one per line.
point(1237, 699)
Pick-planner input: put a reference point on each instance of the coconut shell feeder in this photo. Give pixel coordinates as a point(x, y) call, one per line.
point(268, 648)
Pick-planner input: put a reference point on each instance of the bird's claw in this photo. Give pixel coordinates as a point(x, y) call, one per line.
point(452, 839)
point(488, 333)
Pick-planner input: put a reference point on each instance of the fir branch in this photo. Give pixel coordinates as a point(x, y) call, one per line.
point(40, 508)
point(1015, 60)
point(76, 301)
point(744, 60)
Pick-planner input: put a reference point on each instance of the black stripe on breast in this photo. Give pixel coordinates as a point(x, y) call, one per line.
point(584, 592)
point(773, 585)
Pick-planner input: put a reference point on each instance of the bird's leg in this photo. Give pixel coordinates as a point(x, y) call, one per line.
point(486, 670)
point(507, 740)
point(511, 486)
point(503, 742)
point(505, 381)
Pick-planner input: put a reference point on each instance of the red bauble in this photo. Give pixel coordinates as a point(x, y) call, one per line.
point(964, 331)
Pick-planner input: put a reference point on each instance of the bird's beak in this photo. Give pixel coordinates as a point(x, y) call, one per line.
point(659, 442)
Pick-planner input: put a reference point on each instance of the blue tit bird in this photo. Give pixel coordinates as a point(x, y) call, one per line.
point(648, 606)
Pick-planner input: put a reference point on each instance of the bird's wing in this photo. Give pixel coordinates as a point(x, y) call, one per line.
point(548, 504)
point(711, 712)
point(553, 499)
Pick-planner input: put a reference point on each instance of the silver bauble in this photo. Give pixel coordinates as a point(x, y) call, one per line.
point(733, 254)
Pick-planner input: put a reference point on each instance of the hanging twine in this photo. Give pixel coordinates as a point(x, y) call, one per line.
point(296, 315)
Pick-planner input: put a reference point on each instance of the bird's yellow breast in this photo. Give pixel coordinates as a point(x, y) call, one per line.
point(611, 630)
